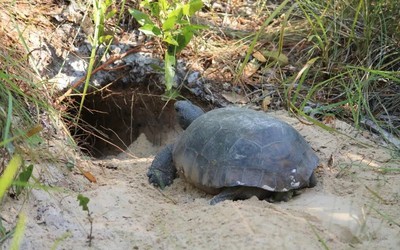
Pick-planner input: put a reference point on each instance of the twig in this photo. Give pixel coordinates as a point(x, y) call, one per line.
point(90, 236)
point(165, 196)
point(386, 135)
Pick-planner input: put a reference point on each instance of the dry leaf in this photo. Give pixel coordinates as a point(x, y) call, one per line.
point(329, 119)
point(250, 69)
point(257, 55)
point(281, 58)
point(235, 98)
point(265, 103)
point(34, 130)
point(89, 176)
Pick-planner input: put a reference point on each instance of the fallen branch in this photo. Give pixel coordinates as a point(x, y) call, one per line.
point(386, 135)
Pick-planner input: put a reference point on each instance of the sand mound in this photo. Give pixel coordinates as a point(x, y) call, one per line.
point(355, 205)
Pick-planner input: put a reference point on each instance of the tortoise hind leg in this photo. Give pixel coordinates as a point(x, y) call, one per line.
point(240, 193)
point(243, 193)
point(282, 196)
point(286, 196)
point(312, 182)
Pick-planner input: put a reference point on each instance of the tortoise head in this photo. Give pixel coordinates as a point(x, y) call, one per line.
point(187, 112)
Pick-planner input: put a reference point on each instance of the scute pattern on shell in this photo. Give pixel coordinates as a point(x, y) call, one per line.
point(240, 147)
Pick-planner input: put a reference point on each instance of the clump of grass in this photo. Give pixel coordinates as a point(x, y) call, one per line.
point(16, 125)
point(343, 58)
point(353, 60)
point(20, 105)
point(24, 109)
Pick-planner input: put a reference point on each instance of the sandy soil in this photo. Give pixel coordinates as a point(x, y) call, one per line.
point(354, 206)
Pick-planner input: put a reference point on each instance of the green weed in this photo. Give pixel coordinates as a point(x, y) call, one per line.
point(83, 202)
point(170, 22)
point(21, 181)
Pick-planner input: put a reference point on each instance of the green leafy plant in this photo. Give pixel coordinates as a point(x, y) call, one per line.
point(102, 12)
point(22, 180)
point(169, 21)
point(83, 202)
point(4, 233)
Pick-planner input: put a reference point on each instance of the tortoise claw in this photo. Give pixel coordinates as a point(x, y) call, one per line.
point(159, 178)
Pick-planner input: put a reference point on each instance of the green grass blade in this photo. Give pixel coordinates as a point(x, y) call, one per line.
point(7, 127)
point(9, 174)
point(19, 232)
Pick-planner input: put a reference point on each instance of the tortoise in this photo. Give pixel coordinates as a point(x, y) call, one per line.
point(236, 153)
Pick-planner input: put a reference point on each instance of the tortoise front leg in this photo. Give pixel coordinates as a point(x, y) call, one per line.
point(162, 171)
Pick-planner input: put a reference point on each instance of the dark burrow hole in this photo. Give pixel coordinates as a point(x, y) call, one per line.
point(114, 118)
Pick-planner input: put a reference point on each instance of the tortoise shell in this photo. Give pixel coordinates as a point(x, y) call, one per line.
point(230, 147)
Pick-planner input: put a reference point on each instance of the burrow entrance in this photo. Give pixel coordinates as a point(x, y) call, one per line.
point(114, 117)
